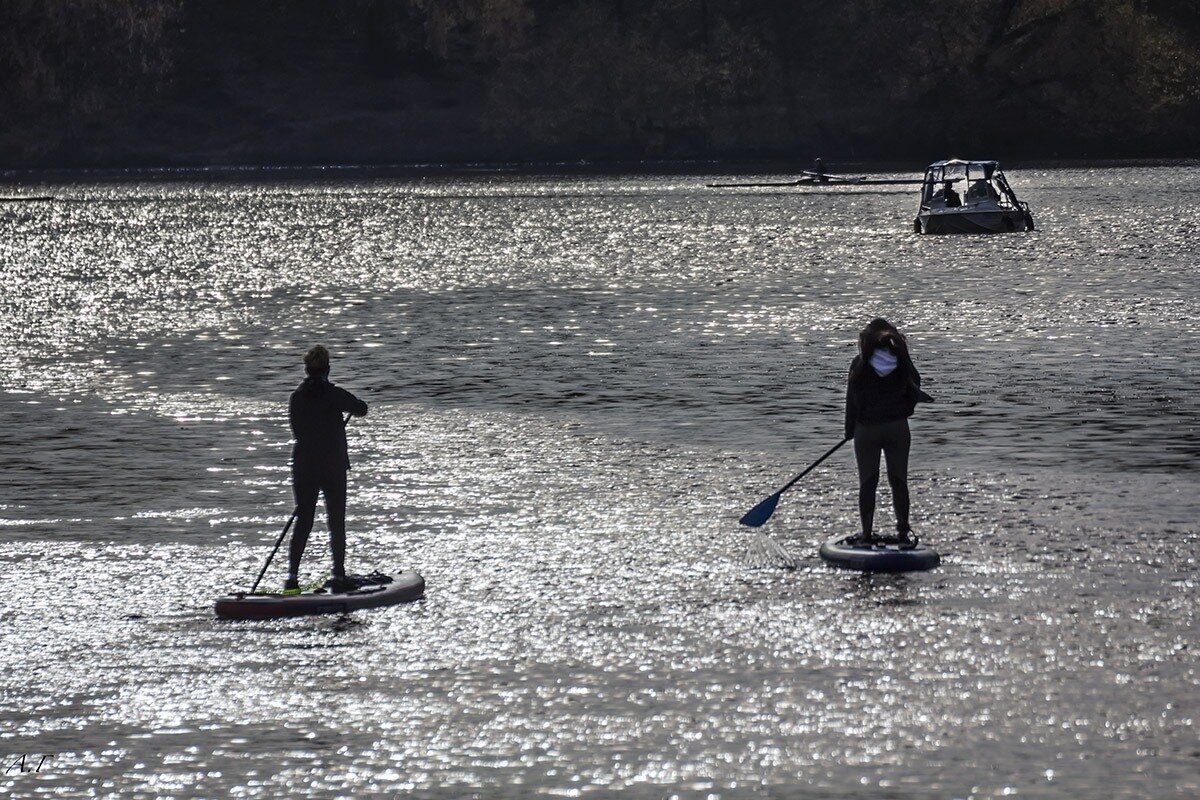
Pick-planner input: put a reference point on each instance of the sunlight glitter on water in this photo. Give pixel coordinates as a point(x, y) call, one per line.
point(595, 620)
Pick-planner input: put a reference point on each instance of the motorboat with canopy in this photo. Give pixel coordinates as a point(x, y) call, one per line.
point(988, 204)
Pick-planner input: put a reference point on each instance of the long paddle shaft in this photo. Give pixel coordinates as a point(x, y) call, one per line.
point(278, 542)
point(286, 528)
point(762, 512)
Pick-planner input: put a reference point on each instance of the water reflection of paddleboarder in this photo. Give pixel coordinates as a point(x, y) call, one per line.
point(882, 391)
point(320, 460)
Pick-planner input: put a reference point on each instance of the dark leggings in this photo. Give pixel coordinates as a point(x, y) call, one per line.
point(892, 439)
point(306, 486)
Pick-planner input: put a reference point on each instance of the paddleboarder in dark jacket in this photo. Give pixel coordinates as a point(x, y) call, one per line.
point(882, 391)
point(320, 460)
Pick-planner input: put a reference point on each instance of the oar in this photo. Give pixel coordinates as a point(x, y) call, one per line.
point(286, 528)
point(762, 512)
point(800, 182)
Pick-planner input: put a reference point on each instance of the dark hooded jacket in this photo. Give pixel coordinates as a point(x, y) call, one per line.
point(871, 399)
point(315, 411)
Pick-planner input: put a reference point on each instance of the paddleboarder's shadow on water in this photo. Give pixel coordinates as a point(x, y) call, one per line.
point(340, 624)
point(346, 622)
point(881, 589)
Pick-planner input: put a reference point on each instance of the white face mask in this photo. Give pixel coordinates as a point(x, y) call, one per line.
point(883, 362)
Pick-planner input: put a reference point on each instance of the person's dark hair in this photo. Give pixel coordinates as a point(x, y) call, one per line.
point(316, 360)
point(881, 333)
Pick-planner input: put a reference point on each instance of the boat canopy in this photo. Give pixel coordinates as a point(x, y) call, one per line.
point(958, 162)
point(984, 180)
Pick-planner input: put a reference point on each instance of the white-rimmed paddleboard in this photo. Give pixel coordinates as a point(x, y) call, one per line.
point(879, 557)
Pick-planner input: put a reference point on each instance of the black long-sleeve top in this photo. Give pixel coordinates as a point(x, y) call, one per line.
point(315, 411)
point(871, 399)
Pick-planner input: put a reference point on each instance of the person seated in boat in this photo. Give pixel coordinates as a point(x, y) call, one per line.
point(981, 191)
point(320, 460)
point(952, 198)
point(882, 392)
point(819, 171)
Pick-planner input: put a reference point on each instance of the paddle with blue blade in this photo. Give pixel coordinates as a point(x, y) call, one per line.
point(762, 512)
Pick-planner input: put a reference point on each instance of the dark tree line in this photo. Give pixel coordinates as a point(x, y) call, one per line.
point(302, 81)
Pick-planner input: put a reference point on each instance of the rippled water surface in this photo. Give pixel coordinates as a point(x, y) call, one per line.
point(577, 386)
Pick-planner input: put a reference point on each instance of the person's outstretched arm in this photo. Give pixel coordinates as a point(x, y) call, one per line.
point(349, 403)
point(921, 397)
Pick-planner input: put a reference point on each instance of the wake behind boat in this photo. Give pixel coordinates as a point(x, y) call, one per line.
point(990, 204)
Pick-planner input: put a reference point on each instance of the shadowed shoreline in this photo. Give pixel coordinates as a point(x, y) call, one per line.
point(182, 83)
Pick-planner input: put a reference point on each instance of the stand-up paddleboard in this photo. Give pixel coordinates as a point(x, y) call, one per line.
point(879, 557)
point(374, 591)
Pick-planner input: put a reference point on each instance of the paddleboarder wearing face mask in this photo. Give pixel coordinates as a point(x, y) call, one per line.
point(320, 460)
point(881, 394)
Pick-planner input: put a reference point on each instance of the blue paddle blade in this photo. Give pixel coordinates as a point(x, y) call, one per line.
point(762, 512)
